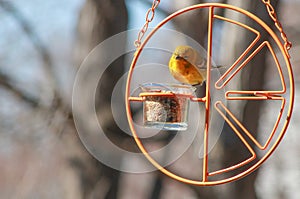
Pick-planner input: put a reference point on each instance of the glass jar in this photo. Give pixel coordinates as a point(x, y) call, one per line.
point(166, 106)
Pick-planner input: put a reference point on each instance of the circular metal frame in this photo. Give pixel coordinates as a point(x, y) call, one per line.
point(230, 95)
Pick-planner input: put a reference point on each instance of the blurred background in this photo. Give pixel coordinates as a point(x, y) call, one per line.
point(42, 45)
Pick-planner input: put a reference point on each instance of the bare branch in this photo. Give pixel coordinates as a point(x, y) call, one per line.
point(57, 102)
point(6, 82)
point(37, 42)
point(58, 106)
point(31, 34)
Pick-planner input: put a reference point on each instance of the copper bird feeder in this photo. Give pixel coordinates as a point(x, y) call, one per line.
point(153, 96)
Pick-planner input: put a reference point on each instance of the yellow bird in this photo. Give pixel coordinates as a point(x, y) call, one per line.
point(188, 66)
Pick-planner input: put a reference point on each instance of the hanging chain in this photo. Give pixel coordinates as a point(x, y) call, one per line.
point(149, 17)
point(151, 12)
point(272, 13)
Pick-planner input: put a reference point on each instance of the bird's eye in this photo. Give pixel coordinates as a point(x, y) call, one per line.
point(177, 57)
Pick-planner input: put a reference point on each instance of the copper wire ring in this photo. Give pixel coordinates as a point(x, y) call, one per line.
point(230, 95)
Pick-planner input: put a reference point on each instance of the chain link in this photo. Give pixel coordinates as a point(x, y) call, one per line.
point(149, 17)
point(272, 13)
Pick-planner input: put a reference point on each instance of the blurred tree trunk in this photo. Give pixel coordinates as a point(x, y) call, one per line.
point(99, 20)
point(194, 29)
point(252, 78)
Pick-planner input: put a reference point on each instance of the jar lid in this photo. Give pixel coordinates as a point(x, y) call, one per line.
point(167, 89)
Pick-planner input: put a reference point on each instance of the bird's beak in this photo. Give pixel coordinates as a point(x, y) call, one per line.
point(177, 57)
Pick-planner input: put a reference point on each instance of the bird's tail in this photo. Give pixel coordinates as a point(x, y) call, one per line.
point(217, 67)
point(212, 68)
